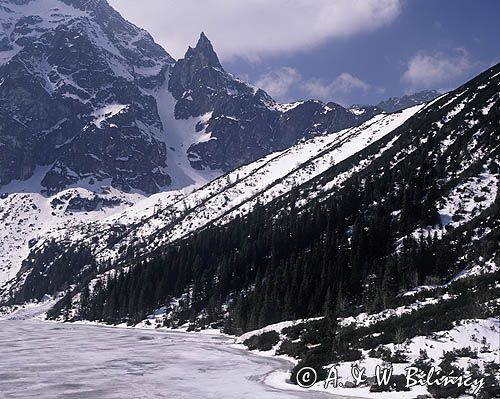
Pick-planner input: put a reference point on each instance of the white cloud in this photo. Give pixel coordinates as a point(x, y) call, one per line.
point(286, 80)
point(255, 28)
point(433, 70)
point(279, 83)
point(343, 84)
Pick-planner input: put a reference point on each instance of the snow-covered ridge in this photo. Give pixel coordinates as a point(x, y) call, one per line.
point(167, 217)
point(45, 15)
point(343, 145)
point(26, 215)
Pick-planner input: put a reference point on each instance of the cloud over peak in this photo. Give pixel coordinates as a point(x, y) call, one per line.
point(281, 82)
point(431, 70)
point(345, 83)
point(278, 83)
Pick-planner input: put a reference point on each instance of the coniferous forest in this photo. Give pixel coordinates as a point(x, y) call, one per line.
point(291, 267)
point(355, 249)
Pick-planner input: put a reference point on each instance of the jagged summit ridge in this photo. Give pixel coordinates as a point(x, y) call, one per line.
point(395, 104)
point(241, 123)
point(204, 53)
point(200, 65)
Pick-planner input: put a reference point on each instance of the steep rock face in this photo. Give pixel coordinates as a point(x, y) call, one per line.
point(242, 123)
point(198, 81)
point(250, 127)
point(74, 77)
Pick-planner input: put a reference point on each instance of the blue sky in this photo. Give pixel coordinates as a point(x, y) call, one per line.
point(348, 51)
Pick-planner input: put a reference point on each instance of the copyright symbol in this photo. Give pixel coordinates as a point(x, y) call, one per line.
point(306, 377)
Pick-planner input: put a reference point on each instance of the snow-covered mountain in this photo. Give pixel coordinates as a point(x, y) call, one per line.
point(83, 91)
point(172, 215)
point(74, 78)
point(167, 217)
point(374, 245)
point(95, 116)
point(311, 171)
point(80, 133)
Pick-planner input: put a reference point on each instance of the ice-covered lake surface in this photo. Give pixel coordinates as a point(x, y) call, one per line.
point(46, 360)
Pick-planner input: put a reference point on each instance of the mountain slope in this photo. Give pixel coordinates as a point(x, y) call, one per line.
point(26, 215)
point(370, 201)
point(72, 95)
point(93, 111)
point(78, 130)
point(391, 249)
point(169, 217)
point(458, 121)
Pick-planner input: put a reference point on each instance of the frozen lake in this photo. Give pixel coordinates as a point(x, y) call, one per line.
point(45, 360)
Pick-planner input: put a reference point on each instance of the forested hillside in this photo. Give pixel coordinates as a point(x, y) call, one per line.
point(419, 214)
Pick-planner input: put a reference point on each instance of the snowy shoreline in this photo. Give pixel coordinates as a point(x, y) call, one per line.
point(214, 353)
point(278, 378)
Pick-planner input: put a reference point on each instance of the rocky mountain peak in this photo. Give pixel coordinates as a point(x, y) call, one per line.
point(200, 63)
point(203, 55)
point(241, 123)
